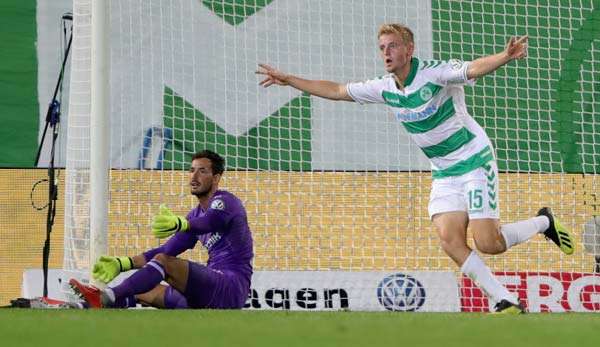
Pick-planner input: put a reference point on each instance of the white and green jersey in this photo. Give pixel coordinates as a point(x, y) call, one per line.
point(432, 109)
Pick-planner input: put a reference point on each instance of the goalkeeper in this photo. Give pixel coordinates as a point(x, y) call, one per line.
point(428, 98)
point(219, 222)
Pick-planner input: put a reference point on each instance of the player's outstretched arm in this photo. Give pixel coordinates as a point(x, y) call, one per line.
point(516, 48)
point(325, 89)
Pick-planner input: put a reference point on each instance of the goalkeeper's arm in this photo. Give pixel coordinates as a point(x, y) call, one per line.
point(166, 223)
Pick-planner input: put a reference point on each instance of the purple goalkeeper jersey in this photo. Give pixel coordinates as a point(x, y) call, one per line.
point(223, 229)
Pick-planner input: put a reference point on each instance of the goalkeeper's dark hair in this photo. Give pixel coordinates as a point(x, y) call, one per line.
point(217, 162)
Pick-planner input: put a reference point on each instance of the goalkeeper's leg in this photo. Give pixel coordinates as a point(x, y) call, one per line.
point(162, 267)
point(215, 289)
point(205, 288)
point(163, 297)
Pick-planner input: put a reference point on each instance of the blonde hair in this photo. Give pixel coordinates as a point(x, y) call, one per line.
point(402, 31)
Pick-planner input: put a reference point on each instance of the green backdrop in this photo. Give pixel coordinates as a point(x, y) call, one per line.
point(19, 114)
point(541, 114)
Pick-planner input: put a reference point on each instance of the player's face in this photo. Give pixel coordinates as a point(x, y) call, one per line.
point(202, 179)
point(395, 53)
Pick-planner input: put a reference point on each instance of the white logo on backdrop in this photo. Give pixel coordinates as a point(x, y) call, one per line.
point(183, 45)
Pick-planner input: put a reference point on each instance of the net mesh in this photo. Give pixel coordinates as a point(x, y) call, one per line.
point(333, 186)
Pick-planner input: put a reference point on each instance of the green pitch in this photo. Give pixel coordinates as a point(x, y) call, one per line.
point(82, 328)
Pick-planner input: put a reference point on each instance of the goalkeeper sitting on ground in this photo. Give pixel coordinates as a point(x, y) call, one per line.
point(219, 222)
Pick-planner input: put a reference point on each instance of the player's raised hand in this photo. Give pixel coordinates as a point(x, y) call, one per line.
point(516, 48)
point(107, 267)
point(273, 76)
point(165, 223)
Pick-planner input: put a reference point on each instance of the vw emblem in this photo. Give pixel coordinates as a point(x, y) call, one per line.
point(400, 292)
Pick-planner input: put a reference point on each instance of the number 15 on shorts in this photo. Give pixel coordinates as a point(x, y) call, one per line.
point(475, 200)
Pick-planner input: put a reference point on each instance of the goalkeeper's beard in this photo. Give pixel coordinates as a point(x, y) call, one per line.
point(202, 193)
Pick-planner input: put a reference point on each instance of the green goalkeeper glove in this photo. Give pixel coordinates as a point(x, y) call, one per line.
point(165, 223)
point(107, 268)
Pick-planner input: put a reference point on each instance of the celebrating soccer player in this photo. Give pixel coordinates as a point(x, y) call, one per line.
point(428, 98)
point(219, 222)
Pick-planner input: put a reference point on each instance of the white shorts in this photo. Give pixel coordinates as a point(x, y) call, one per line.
point(475, 193)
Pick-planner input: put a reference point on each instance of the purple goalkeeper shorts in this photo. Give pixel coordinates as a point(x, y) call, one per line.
point(209, 288)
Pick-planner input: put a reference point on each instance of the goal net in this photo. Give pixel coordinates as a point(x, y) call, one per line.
point(335, 192)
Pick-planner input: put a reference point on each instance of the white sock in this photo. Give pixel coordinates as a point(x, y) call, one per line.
point(110, 294)
point(519, 232)
point(484, 279)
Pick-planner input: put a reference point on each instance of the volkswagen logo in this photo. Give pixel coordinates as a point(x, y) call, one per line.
point(400, 292)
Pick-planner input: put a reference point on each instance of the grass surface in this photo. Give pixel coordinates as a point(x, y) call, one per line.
point(25, 327)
